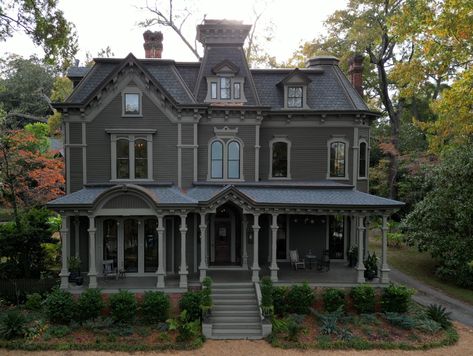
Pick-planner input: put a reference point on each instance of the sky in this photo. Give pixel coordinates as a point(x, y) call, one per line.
point(114, 23)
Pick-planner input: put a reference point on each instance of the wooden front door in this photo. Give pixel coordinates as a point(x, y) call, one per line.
point(222, 242)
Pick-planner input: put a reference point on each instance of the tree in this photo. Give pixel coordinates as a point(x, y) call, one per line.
point(44, 23)
point(441, 222)
point(62, 88)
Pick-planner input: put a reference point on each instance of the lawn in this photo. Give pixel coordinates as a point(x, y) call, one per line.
point(421, 266)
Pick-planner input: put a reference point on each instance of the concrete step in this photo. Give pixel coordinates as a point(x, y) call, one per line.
point(226, 336)
point(236, 313)
point(237, 332)
point(235, 295)
point(234, 320)
point(232, 285)
point(235, 301)
point(232, 290)
point(237, 325)
point(236, 307)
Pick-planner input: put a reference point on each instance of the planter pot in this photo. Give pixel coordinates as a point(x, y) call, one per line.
point(79, 280)
point(73, 275)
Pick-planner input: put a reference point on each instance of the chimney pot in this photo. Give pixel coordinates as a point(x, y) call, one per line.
point(355, 71)
point(153, 44)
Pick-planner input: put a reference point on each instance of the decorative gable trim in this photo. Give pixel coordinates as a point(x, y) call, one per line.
point(225, 67)
point(295, 77)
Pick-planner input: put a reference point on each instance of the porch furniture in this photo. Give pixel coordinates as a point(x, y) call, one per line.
point(296, 262)
point(324, 264)
point(311, 260)
point(109, 270)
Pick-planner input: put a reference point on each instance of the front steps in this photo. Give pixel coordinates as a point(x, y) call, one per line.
point(235, 312)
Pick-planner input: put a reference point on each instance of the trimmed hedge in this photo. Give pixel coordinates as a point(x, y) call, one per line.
point(60, 307)
point(333, 299)
point(123, 306)
point(363, 298)
point(396, 298)
point(155, 307)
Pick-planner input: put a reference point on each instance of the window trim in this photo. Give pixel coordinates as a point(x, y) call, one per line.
point(216, 80)
point(302, 96)
point(367, 150)
point(225, 140)
point(132, 90)
point(289, 144)
point(329, 143)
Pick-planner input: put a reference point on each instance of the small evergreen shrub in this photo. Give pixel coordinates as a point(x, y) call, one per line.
point(60, 307)
point(123, 306)
point(58, 331)
point(333, 299)
point(299, 298)
point(12, 325)
point(279, 300)
point(191, 302)
point(396, 298)
point(206, 302)
point(439, 314)
point(401, 320)
point(155, 307)
point(267, 296)
point(34, 301)
point(90, 304)
point(363, 298)
point(294, 326)
point(428, 325)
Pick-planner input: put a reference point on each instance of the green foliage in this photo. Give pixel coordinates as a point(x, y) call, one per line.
point(438, 313)
point(41, 132)
point(206, 302)
point(74, 264)
point(279, 325)
point(279, 300)
point(123, 306)
point(441, 223)
point(299, 298)
point(363, 298)
point(90, 304)
point(60, 306)
point(155, 307)
point(371, 266)
point(396, 298)
point(62, 88)
point(294, 326)
point(57, 331)
point(191, 302)
point(12, 325)
point(401, 320)
point(333, 299)
point(428, 325)
point(266, 292)
point(187, 328)
point(328, 321)
point(34, 301)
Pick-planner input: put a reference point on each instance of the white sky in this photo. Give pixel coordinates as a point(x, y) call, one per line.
point(102, 23)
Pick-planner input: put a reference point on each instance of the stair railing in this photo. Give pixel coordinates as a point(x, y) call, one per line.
point(259, 298)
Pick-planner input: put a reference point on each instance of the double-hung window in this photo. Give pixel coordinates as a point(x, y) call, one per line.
point(337, 159)
point(280, 151)
point(294, 97)
point(131, 102)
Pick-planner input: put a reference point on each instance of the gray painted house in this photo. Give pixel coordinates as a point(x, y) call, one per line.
point(175, 170)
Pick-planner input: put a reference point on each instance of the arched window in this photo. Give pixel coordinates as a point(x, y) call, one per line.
point(123, 159)
point(216, 156)
point(279, 160)
point(110, 240)
point(363, 162)
point(337, 159)
point(141, 159)
point(233, 160)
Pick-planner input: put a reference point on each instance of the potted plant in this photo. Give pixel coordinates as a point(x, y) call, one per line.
point(353, 256)
point(74, 270)
point(371, 267)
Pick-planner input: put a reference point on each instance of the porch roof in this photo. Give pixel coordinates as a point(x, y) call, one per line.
point(257, 194)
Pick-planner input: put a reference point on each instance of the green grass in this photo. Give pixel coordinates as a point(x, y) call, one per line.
point(421, 266)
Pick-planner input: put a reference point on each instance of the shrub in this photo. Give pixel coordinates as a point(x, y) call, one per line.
point(123, 306)
point(206, 302)
point(59, 306)
point(12, 325)
point(363, 298)
point(371, 266)
point(396, 298)
point(300, 298)
point(328, 321)
point(57, 332)
point(279, 300)
point(267, 296)
point(294, 326)
point(401, 320)
point(333, 299)
point(439, 314)
point(187, 329)
point(428, 325)
point(90, 304)
point(34, 301)
point(191, 302)
point(155, 307)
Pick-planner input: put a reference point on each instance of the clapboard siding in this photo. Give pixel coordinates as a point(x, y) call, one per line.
point(187, 134)
point(75, 133)
point(75, 164)
point(187, 167)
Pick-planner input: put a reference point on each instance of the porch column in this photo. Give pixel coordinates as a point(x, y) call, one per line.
point(161, 270)
point(274, 265)
point(92, 268)
point(365, 237)
point(244, 236)
point(255, 268)
point(64, 248)
point(385, 267)
point(183, 268)
point(361, 266)
point(76, 236)
point(203, 247)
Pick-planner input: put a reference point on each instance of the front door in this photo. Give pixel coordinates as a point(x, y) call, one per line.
point(222, 242)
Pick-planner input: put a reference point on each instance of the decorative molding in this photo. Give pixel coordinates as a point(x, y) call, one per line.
point(225, 132)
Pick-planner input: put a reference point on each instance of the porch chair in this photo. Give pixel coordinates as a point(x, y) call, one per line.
point(324, 264)
point(109, 270)
point(296, 262)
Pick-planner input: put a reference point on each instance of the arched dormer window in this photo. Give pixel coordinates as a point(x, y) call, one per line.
point(363, 160)
point(216, 157)
point(280, 154)
point(233, 161)
point(338, 159)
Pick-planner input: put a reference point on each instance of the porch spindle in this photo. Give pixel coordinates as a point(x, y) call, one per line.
point(245, 241)
point(64, 249)
point(361, 266)
point(203, 248)
point(92, 268)
point(255, 268)
point(161, 270)
point(183, 268)
point(385, 267)
point(274, 265)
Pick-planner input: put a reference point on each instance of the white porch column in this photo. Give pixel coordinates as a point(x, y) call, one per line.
point(361, 266)
point(385, 267)
point(92, 268)
point(244, 237)
point(203, 247)
point(161, 270)
point(76, 236)
point(255, 268)
point(366, 239)
point(183, 268)
point(274, 265)
point(64, 250)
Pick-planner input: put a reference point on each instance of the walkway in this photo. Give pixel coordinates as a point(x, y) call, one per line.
point(426, 295)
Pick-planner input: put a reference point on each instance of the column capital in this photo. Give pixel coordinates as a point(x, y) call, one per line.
point(92, 229)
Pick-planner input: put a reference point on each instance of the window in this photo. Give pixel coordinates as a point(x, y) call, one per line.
point(141, 159)
point(131, 103)
point(294, 97)
point(151, 245)
point(213, 90)
point(225, 89)
point(217, 160)
point(130, 245)
point(233, 160)
point(236, 91)
point(123, 159)
point(279, 160)
point(362, 169)
point(337, 159)
point(336, 242)
point(110, 240)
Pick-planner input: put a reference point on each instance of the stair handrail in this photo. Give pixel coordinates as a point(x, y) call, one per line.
point(259, 298)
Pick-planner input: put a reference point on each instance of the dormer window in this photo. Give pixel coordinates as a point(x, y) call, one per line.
point(225, 88)
point(225, 85)
point(236, 90)
point(294, 97)
point(295, 89)
point(131, 102)
point(213, 90)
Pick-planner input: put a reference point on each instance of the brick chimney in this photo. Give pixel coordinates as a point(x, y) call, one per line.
point(355, 72)
point(153, 44)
